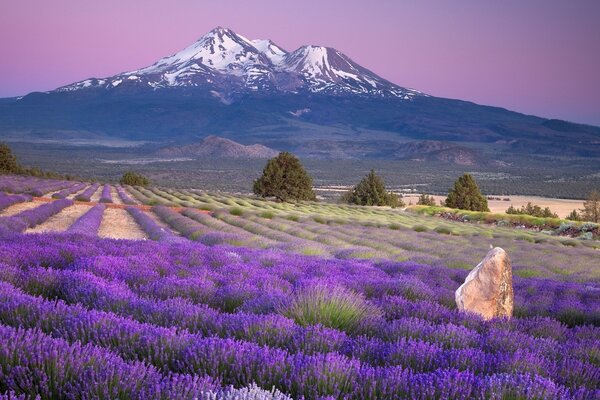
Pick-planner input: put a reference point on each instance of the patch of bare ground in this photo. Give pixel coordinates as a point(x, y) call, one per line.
point(73, 195)
point(96, 196)
point(119, 224)
point(19, 207)
point(562, 207)
point(61, 221)
point(115, 196)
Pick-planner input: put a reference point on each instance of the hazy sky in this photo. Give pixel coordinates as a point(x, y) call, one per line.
point(539, 57)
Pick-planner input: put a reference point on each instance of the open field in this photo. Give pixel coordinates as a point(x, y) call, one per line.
point(562, 207)
point(185, 294)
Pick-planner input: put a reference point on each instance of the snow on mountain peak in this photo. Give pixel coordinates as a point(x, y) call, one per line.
point(226, 61)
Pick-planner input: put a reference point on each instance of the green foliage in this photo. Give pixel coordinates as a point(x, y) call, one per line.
point(370, 191)
point(420, 228)
point(284, 178)
point(591, 207)
point(443, 230)
point(267, 215)
point(534, 210)
point(134, 179)
point(465, 195)
point(236, 211)
point(8, 162)
point(333, 307)
point(425, 200)
point(574, 216)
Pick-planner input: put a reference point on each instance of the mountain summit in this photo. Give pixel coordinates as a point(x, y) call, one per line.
point(225, 62)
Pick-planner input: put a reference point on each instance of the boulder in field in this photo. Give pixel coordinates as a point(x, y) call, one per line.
point(488, 289)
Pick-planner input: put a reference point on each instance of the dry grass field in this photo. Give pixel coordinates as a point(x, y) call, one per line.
point(562, 207)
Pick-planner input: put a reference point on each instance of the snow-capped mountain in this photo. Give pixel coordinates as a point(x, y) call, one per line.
point(225, 63)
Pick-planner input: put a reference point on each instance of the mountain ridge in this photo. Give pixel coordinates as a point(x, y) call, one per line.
point(226, 61)
point(218, 147)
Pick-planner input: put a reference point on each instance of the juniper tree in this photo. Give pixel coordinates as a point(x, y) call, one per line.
point(591, 207)
point(284, 178)
point(134, 179)
point(465, 195)
point(371, 191)
point(8, 162)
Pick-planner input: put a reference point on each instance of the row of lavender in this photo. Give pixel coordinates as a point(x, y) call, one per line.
point(218, 316)
point(40, 187)
point(31, 185)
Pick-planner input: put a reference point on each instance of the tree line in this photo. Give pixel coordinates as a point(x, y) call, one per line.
point(285, 179)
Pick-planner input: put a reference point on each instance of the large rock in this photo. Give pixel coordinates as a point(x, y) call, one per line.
point(488, 289)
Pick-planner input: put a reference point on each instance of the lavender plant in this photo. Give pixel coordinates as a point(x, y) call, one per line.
point(106, 196)
point(88, 223)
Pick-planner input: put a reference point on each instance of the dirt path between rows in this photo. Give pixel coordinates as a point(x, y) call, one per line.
point(19, 207)
point(119, 224)
point(62, 221)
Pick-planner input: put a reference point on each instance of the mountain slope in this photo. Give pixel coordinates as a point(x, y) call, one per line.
point(314, 101)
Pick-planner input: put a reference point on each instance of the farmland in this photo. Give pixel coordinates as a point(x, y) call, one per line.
point(183, 293)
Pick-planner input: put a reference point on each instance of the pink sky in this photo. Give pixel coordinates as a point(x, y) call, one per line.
point(539, 57)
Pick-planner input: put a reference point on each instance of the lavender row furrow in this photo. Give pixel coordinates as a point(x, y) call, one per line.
point(87, 194)
point(482, 352)
point(124, 196)
point(88, 223)
point(35, 364)
point(30, 218)
point(106, 196)
point(244, 363)
point(7, 200)
point(151, 228)
point(69, 191)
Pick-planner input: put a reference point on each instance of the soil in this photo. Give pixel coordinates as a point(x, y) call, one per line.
point(17, 208)
point(62, 221)
point(119, 224)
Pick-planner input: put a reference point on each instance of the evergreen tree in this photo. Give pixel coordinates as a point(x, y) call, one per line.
point(370, 191)
point(574, 216)
point(465, 195)
point(532, 209)
point(8, 162)
point(591, 207)
point(134, 179)
point(284, 178)
point(425, 200)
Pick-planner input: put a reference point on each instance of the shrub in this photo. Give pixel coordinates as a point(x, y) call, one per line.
point(591, 207)
point(370, 191)
point(134, 179)
point(8, 162)
point(236, 211)
point(534, 210)
point(267, 215)
point(293, 218)
point(425, 200)
point(331, 306)
point(420, 228)
point(574, 216)
point(284, 178)
point(465, 195)
point(443, 230)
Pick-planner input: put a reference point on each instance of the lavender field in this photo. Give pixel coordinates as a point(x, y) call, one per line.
point(230, 297)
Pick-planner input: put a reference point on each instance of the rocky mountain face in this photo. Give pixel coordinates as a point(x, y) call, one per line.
point(218, 147)
point(227, 63)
